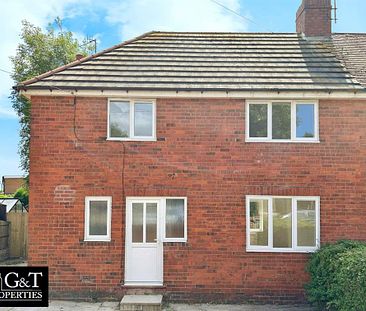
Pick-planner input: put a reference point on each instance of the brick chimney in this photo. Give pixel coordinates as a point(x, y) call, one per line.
point(313, 18)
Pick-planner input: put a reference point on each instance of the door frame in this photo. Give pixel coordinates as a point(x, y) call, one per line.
point(159, 235)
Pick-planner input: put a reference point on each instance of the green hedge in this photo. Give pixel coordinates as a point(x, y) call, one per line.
point(338, 277)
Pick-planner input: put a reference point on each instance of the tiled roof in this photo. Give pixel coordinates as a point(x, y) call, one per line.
point(207, 61)
point(350, 48)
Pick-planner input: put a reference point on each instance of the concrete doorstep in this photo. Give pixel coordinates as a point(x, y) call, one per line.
point(141, 303)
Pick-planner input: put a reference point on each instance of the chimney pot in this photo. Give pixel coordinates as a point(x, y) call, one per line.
point(313, 18)
point(79, 56)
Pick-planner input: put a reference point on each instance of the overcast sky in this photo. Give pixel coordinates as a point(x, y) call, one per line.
point(112, 21)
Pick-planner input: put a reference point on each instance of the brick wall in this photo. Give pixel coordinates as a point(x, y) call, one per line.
point(313, 18)
point(201, 154)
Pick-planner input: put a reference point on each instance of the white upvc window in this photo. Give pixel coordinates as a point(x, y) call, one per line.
point(282, 121)
point(131, 119)
point(174, 219)
point(98, 212)
point(282, 224)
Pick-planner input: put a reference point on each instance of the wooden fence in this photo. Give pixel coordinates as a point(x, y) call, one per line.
point(18, 234)
point(4, 236)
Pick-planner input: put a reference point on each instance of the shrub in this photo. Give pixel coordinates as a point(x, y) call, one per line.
point(350, 283)
point(328, 268)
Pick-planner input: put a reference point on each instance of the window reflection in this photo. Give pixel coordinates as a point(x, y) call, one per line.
point(282, 222)
point(306, 223)
point(143, 119)
point(119, 119)
point(259, 222)
point(281, 121)
point(305, 120)
point(258, 120)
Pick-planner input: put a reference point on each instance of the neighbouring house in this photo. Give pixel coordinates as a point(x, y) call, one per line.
point(11, 184)
point(206, 166)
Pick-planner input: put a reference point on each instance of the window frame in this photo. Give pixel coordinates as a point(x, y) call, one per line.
point(294, 248)
point(293, 138)
point(98, 238)
point(132, 103)
point(165, 239)
point(162, 203)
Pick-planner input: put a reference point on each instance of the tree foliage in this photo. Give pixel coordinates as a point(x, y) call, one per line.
point(39, 52)
point(23, 195)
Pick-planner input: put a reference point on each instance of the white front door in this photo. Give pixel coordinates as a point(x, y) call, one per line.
point(144, 247)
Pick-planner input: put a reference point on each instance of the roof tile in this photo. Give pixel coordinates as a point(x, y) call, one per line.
point(217, 61)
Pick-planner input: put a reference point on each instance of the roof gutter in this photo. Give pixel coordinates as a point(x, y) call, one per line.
point(194, 93)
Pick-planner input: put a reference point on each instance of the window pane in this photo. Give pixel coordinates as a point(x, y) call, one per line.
point(174, 218)
point(282, 223)
point(143, 119)
point(137, 222)
point(306, 223)
point(305, 120)
point(281, 121)
point(259, 222)
point(151, 222)
point(119, 119)
point(98, 217)
point(258, 120)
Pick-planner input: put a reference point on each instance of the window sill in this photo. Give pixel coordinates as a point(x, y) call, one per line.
point(281, 250)
point(97, 240)
point(171, 240)
point(247, 140)
point(143, 284)
point(130, 139)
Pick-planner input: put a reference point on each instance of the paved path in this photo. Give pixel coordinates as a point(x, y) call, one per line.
point(211, 307)
point(58, 305)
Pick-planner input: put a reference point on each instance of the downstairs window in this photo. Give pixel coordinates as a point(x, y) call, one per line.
point(98, 218)
point(282, 224)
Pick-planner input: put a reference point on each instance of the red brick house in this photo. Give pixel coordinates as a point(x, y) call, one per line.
point(203, 165)
point(11, 183)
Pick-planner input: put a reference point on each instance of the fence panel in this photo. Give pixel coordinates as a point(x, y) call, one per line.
point(18, 234)
point(4, 237)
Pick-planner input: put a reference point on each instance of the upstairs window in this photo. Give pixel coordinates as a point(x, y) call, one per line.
point(131, 120)
point(282, 121)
